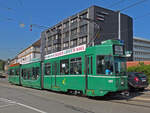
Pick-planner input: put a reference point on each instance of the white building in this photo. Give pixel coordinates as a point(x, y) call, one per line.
point(141, 49)
point(32, 53)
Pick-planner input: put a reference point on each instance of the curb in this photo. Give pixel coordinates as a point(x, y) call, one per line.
point(141, 99)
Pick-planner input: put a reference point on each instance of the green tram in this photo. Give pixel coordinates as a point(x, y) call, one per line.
point(14, 74)
point(91, 71)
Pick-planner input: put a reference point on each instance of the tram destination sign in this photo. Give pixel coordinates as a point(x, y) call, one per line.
point(118, 50)
point(66, 52)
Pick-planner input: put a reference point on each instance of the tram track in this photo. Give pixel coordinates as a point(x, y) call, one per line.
point(134, 101)
point(138, 100)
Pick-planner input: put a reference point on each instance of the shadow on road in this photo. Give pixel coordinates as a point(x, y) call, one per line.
point(132, 94)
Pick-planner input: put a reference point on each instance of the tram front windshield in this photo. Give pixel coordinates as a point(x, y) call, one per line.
point(120, 65)
point(115, 65)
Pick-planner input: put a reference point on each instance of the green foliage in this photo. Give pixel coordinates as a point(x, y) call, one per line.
point(2, 63)
point(141, 68)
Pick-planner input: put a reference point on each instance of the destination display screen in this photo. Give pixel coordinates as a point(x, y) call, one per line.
point(118, 50)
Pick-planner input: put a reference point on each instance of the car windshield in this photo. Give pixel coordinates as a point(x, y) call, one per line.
point(120, 65)
point(140, 75)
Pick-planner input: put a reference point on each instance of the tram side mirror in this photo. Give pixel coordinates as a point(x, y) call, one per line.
point(128, 53)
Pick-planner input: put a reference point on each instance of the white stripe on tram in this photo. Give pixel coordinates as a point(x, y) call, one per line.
point(108, 76)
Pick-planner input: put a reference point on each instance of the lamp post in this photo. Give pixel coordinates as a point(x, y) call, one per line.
point(119, 26)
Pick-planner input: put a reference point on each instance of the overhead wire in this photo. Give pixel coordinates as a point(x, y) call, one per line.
point(116, 3)
point(132, 5)
point(139, 17)
point(20, 2)
point(3, 6)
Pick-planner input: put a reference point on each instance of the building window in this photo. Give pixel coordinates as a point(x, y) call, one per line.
point(73, 42)
point(84, 15)
point(75, 66)
point(59, 36)
point(66, 25)
point(50, 48)
point(73, 21)
point(83, 29)
point(66, 34)
point(82, 40)
point(66, 44)
point(59, 27)
point(56, 46)
point(55, 37)
point(47, 31)
point(73, 32)
point(53, 29)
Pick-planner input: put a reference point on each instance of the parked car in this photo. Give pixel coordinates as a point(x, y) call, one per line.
point(1, 75)
point(137, 80)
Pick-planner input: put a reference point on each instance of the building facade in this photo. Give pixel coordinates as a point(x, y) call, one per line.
point(29, 54)
point(75, 31)
point(141, 49)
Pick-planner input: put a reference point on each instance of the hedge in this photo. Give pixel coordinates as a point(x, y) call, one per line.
point(141, 68)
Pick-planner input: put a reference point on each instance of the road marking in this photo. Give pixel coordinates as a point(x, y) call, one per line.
point(20, 104)
point(32, 108)
point(6, 105)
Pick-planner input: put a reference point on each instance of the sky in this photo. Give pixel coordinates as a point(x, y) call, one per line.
point(14, 13)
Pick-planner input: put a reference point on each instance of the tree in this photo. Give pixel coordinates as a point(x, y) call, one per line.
point(2, 64)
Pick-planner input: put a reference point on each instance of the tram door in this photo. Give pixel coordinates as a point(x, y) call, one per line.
point(89, 68)
point(55, 72)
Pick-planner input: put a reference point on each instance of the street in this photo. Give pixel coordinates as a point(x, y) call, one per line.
point(17, 99)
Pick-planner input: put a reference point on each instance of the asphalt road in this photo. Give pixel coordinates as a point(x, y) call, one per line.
point(17, 99)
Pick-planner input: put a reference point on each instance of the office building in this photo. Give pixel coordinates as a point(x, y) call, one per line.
point(80, 29)
point(141, 49)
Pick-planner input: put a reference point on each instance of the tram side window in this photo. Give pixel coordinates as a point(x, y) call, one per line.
point(34, 76)
point(28, 73)
point(75, 66)
point(47, 69)
point(64, 67)
point(24, 75)
point(90, 65)
point(100, 65)
point(103, 63)
point(37, 72)
point(12, 72)
point(17, 71)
